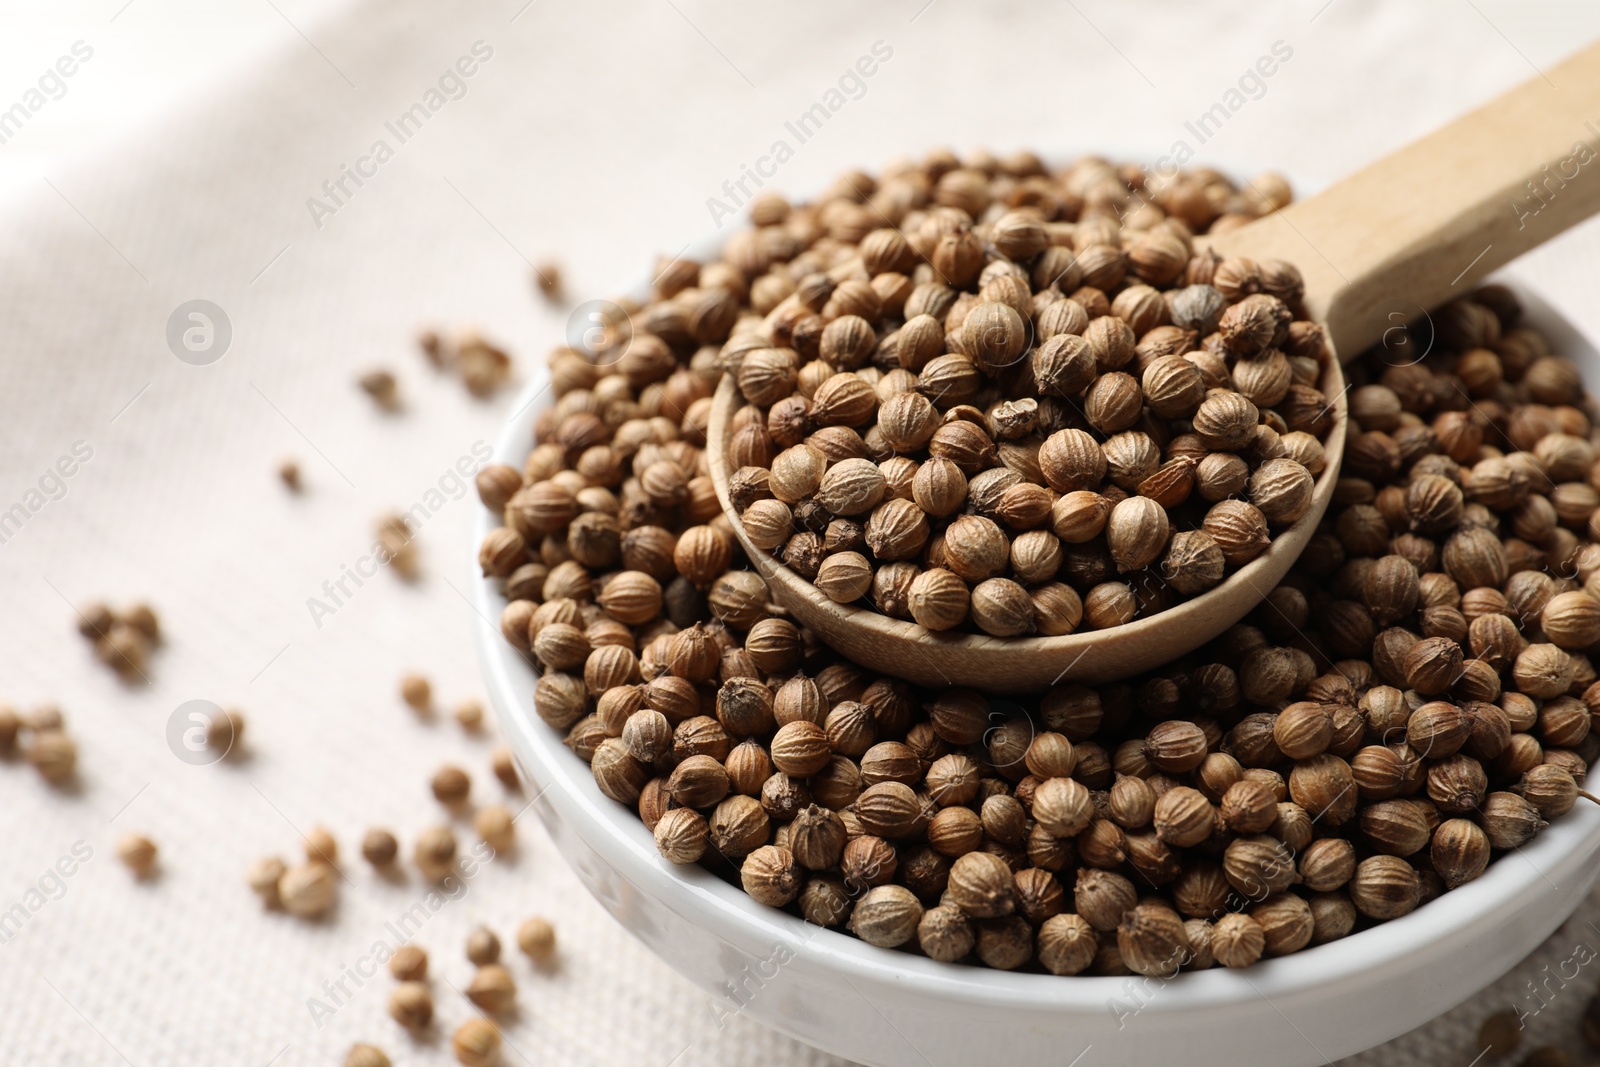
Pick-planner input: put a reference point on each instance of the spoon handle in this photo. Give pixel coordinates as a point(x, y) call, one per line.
point(1421, 226)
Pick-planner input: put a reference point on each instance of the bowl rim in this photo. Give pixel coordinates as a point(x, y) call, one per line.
point(615, 832)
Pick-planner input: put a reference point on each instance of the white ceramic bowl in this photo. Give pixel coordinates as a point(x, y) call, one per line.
point(895, 1009)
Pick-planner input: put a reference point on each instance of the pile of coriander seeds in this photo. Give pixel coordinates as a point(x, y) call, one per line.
point(996, 412)
point(1413, 700)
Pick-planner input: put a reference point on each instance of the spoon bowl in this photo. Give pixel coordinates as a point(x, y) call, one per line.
point(1022, 664)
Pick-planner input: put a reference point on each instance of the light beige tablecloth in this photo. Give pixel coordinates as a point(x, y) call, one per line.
point(597, 133)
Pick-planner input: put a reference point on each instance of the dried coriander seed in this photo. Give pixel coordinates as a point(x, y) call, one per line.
point(844, 577)
point(1005, 944)
point(409, 964)
point(1249, 807)
point(1548, 1056)
point(980, 885)
point(886, 915)
point(817, 838)
point(397, 547)
point(124, 649)
point(415, 691)
point(492, 988)
point(497, 483)
point(1175, 746)
point(321, 847)
point(138, 854)
point(700, 781)
point(1152, 940)
point(1384, 887)
point(142, 618)
point(536, 938)
point(1327, 864)
point(309, 890)
point(263, 878)
point(945, 934)
point(1183, 817)
point(469, 714)
point(1259, 865)
point(363, 1055)
point(411, 1005)
point(451, 785)
point(1286, 923)
point(1102, 897)
point(1500, 1033)
point(1066, 944)
point(476, 1043)
point(225, 733)
point(1237, 940)
point(800, 748)
point(771, 876)
point(647, 735)
point(681, 835)
point(1199, 933)
point(1002, 608)
point(53, 754)
point(380, 385)
point(495, 825)
point(435, 852)
point(547, 278)
point(1136, 533)
point(505, 768)
point(1062, 806)
point(939, 599)
point(1460, 851)
point(482, 946)
point(1550, 789)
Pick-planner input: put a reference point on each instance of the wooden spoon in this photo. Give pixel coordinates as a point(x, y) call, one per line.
point(1377, 251)
point(1420, 227)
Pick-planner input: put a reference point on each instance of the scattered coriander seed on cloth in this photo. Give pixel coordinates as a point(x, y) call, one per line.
point(411, 1005)
point(138, 853)
point(409, 964)
point(536, 937)
point(476, 1043)
point(309, 890)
